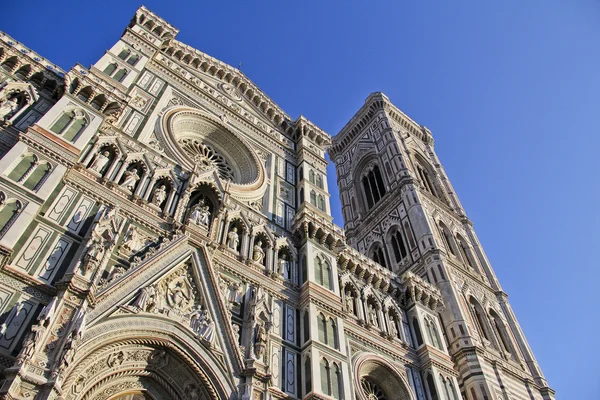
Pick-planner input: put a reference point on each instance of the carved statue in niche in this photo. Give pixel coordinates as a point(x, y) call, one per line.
point(233, 239)
point(282, 265)
point(260, 340)
point(131, 178)
point(235, 293)
point(100, 162)
point(160, 194)
point(146, 300)
point(372, 315)
point(28, 348)
point(8, 108)
point(134, 241)
point(349, 302)
point(258, 253)
point(200, 214)
point(392, 326)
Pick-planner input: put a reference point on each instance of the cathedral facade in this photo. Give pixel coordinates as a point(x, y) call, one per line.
point(165, 233)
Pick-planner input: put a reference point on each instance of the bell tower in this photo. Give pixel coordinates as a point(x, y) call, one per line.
point(400, 209)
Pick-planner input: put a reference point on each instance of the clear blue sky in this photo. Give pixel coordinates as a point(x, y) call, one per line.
point(508, 88)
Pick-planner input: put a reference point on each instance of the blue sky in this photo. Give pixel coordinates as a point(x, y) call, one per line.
point(508, 88)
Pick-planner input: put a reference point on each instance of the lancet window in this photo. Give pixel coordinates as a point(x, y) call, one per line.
point(373, 186)
point(70, 124)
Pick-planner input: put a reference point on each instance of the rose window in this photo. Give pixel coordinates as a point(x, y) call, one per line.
point(205, 158)
point(372, 390)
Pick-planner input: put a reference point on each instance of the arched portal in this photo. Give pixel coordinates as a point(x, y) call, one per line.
point(147, 360)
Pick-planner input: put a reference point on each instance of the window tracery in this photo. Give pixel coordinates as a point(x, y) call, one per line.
point(205, 158)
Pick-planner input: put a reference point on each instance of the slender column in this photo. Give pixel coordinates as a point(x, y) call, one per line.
point(244, 246)
point(170, 200)
point(141, 184)
point(111, 170)
point(122, 169)
point(91, 154)
point(250, 248)
point(275, 261)
point(225, 224)
point(149, 189)
point(29, 171)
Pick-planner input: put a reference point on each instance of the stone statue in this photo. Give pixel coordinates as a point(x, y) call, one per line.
point(349, 303)
point(27, 349)
point(282, 266)
point(235, 293)
point(160, 194)
point(131, 178)
point(201, 214)
point(258, 253)
point(260, 340)
point(8, 108)
point(134, 241)
point(203, 325)
point(100, 162)
point(146, 300)
point(233, 239)
point(372, 315)
point(392, 327)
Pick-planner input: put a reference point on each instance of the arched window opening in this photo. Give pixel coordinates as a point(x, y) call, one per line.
point(373, 186)
point(321, 202)
point(465, 251)
point(301, 195)
point(110, 69)
point(304, 269)
point(417, 331)
point(124, 54)
point(311, 176)
point(85, 94)
point(336, 382)
point(431, 386)
point(332, 339)
point(9, 210)
point(307, 376)
point(23, 168)
point(69, 125)
point(409, 235)
point(322, 326)
point(98, 102)
point(398, 246)
point(500, 331)
point(326, 275)
point(133, 60)
point(313, 198)
point(478, 318)
point(325, 377)
point(38, 176)
point(433, 334)
point(319, 181)
point(306, 326)
point(120, 75)
point(447, 238)
point(378, 256)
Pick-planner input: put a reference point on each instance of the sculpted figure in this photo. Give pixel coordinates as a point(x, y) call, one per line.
point(146, 300)
point(258, 254)
point(131, 178)
point(160, 194)
point(200, 214)
point(372, 315)
point(100, 162)
point(47, 313)
point(282, 266)
point(233, 239)
point(260, 340)
point(8, 108)
point(349, 303)
point(27, 349)
point(134, 241)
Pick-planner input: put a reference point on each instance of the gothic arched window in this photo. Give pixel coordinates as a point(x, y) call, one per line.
point(70, 124)
point(133, 60)
point(431, 386)
point(120, 75)
point(447, 238)
point(325, 377)
point(417, 331)
point(321, 202)
point(378, 256)
point(124, 54)
point(110, 69)
point(373, 186)
point(311, 176)
point(307, 376)
point(398, 246)
point(313, 198)
point(322, 272)
point(478, 318)
point(500, 331)
point(9, 210)
point(465, 251)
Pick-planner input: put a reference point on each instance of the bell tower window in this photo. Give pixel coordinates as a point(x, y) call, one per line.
point(373, 186)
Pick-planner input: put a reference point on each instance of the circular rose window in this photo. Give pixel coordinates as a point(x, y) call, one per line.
point(203, 144)
point(379, 380)
point(372, 390)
